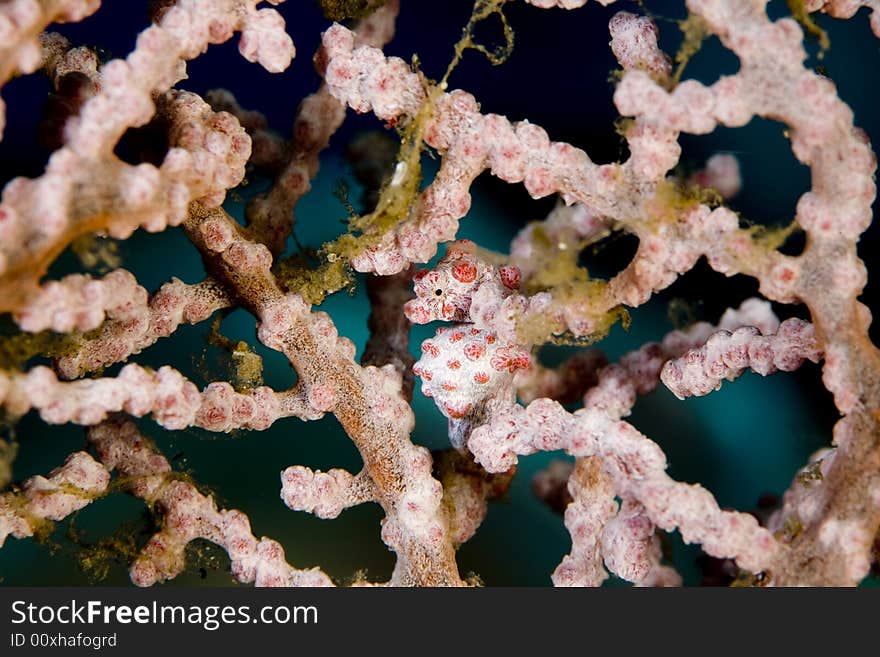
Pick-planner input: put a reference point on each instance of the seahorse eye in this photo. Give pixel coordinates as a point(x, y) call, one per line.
point(438, 292)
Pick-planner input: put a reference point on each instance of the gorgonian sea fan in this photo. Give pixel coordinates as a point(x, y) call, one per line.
point(136, 147)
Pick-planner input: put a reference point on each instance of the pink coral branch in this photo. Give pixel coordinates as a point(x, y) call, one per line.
point(366, 401)
point(467, 490)
point(173, 401)
point(326, 494)
point(629, 544)
point(615, 394)
point(634, 463)
point(726, 355)
point(471, 142)
point(270, 215)
point(634, 44)
point(21, 22)
point(68, 488)
point(142, 325)
point(833, 213)
point(268, 148)
point(623, 539)
point(46, 214)
point(81, 302)
point(591, 508)
point(187, 514)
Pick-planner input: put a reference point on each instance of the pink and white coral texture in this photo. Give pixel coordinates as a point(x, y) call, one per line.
point(133, 149)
